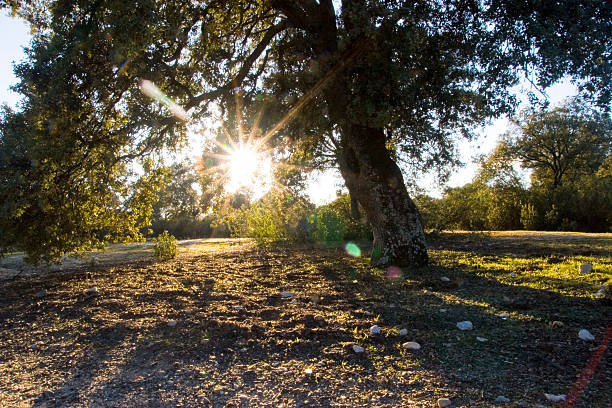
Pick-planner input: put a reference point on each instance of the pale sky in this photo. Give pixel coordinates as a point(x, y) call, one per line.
point(322, 187)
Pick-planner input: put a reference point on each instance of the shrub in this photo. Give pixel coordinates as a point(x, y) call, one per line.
point(334, 222)
point(265, 227)
point(165, 246)
point(276, 218)
point(530, 218)
point(184, 227)
point(328, 225)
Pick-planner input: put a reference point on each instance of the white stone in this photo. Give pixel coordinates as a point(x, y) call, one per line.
point(599, 294)
point(585, 269)
point(411, 345)
point(465, 325)
point(444, 402)
point(555, 398)
point(502, 399)
point(374, 330)
point(445, 279)
point(93, 289)
point(358, 349)
point(482, 339)
point(403, 332)
point(287, 294)
point(171, 323)
point(503, 315)
point(584, 334)
point(442, 310)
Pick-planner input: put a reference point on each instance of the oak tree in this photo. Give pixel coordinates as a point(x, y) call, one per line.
point(366, 83)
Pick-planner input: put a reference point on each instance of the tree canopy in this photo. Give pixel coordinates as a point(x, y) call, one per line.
point(568, 150)
point(561, 143)
point(355, 84)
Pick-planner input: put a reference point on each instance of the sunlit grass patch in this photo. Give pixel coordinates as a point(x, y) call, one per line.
point(558, 274)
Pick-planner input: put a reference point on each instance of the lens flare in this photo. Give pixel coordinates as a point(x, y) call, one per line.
point(394, 273)
point(352, 249)
point(148, 88)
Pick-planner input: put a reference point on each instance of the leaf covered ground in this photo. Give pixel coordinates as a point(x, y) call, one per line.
point(211, 327)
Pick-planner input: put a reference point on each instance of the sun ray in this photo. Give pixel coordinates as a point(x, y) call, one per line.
point(234, 145)
point(217, 155)
point(239, 125)
point(255, 127)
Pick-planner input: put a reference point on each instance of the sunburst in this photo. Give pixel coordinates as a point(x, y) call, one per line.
point(244, 162)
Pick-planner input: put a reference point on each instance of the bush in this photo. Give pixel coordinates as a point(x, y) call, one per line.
point(184, 227)
point(334, 222)
point(530, 218)
point(328, 225)
point(165, 246)
point(274, 219)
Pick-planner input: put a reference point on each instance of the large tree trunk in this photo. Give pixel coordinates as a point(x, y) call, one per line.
point(376, 181)
point(370, 174)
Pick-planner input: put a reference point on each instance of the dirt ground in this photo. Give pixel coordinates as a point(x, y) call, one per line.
point(228, 324)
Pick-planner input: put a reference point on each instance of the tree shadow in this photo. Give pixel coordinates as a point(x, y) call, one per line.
point(238, 342)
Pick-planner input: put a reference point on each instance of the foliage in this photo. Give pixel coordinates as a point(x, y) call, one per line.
point(561, 144)
point(530, 218)
point(165, 247)
point(334, 222)
point(328, 226)
point(177, 197)
point(179, 208)
point(184, 227)
point(432, 212)
point(58, 197)
point(283, 217)
point(278, 217)
point(568, 150)
point(403, 75)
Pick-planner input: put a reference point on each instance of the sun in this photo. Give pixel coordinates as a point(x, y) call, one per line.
point(248, 169)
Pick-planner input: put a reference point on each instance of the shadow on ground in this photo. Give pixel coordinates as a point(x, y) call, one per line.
point(212, 329)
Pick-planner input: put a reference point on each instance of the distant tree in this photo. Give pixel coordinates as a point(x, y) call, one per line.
point(177, 197)
point(180, 208)
point(500, 189)
point(561, 143)
point(387, 80)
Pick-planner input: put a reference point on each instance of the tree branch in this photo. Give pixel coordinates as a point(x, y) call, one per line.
point(296, 15)
point(244, 70)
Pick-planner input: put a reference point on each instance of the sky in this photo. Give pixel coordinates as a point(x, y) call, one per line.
point(322, 187)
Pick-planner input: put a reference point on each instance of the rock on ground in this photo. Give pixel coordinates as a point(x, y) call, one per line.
point(555, 398)
point(502, 399)
point(444, 402)
point(584, 334)
point(465, 325)
point(412, 345)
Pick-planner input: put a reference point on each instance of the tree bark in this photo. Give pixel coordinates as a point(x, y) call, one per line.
point(377, 183)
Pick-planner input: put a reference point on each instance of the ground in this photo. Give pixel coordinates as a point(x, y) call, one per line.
point(212, 328)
